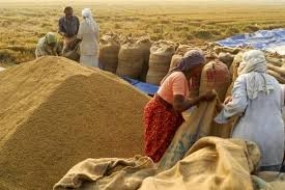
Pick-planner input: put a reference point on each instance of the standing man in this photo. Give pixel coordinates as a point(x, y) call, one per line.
point(68, 26)
point(89, 35)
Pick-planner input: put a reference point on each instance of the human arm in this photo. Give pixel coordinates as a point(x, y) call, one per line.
point(237, 105)
point(77, 25)
point(61, 29)
point(80, 33)
point(181, 104)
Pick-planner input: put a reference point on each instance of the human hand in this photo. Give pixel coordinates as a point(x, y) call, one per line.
point(208, 96)
point(228, 99)
point(219, 107)
point(63, 34)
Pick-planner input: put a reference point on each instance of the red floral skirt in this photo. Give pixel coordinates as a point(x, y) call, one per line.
point(160, 124)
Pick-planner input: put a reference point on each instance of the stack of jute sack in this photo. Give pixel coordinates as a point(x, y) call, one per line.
point(148, 61)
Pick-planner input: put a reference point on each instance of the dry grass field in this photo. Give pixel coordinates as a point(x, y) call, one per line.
point(188, 22)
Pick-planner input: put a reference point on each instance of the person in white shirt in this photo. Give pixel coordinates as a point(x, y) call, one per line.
point(88, 34)
point(257, 97)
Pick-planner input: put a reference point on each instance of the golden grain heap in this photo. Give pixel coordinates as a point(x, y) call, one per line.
point(55, 113)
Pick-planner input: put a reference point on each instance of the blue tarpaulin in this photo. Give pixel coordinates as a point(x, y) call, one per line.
point(268, 40)
point(147, 88)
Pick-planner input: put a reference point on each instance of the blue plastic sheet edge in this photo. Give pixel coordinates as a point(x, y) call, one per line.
point(146, 88)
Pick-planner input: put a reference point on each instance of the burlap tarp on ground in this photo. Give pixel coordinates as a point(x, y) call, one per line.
point(107, 173)
point(199, 124)
point(211, 164)
point(269, 181)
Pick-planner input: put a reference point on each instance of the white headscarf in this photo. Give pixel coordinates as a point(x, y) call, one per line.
point(87, 14)
point(254, 62)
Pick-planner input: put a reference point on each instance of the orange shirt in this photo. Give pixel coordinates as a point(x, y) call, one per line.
point(175, 84)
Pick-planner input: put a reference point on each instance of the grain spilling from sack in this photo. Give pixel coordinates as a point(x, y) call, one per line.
point(161, 54)
point(55, 113)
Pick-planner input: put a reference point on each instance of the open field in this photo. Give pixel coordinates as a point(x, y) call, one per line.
point(23, 23)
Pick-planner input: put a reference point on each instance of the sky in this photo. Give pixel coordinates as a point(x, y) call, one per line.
point(236, 2)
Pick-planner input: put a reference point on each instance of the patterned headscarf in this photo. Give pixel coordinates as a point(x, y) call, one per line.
point(50, 38)
point(87, 14)
point(254, 62)
point(190, 60)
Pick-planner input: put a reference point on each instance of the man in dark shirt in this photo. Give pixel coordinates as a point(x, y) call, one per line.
point(68, 26)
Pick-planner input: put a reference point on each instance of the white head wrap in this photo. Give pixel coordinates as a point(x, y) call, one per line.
point(87, 14)
point(254, 62)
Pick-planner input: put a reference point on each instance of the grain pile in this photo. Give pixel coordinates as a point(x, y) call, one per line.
point(55, 113)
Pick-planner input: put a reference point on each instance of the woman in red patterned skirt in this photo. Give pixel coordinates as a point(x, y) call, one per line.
point(162, 115)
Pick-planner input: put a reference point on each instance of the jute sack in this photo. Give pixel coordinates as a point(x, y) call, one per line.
point(175, 60)
point(130, 61)
point(182, 49)
point(194, 87)
point(145, 43)
point(108, 52)
point(159, 61)
point(73, 52)
point(211, 164)
point(274, 60)
point(277, 72)
point(198, 125)
point(215, 75)
point(277, 76)
point(234, 72)
point(226, 58)
point(234, 67)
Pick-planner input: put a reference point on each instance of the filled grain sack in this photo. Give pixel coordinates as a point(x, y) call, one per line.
point(108, 52)
point(234, 71)
point(73, 52)
point(277, 72)
point(274, 61)
point(161, 54)
point(226, 58)
point(219, 49)
point(234, 67)
point(182, 49)
point(175, 61)
point(131, 60)
point(215, 75)
point(145, 43)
